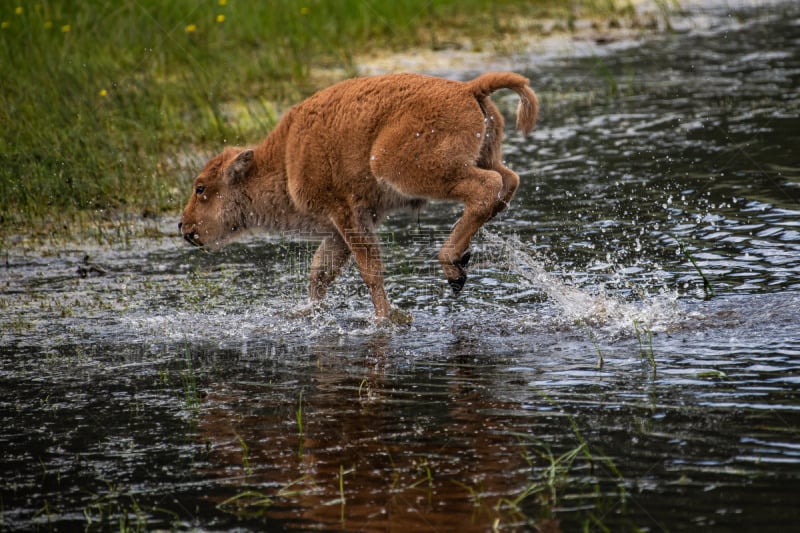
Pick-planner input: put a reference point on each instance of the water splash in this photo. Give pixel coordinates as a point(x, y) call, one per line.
point(610, 313)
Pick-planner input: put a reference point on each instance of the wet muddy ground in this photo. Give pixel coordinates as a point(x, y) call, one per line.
point(625, 354)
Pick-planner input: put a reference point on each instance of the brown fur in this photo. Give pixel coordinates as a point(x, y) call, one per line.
point(338, 162)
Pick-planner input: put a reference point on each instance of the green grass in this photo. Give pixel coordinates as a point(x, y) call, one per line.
point(342, 501)
point(299, 415)
point(248, 470)
point(108, 107)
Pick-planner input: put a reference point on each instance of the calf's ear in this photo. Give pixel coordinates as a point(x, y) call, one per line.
point(239, 167)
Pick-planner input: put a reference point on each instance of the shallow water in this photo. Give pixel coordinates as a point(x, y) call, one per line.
point(585, 377)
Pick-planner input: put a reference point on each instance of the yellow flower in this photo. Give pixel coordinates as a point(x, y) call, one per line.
point(220, 18)
point(65, 28)
point(223, 2)
point(18, 10)
point(304, 11)
point(191, 28)
point(5, 24)
point(103, 93)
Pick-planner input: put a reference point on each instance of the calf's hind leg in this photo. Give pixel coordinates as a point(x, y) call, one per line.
point(510, 184)
point(483, 193)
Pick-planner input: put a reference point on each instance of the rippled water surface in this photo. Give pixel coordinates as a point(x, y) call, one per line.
point(625, 355)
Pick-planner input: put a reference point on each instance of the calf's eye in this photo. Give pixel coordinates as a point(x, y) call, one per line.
point(200, 189)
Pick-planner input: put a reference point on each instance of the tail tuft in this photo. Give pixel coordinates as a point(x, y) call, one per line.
point(528, 108)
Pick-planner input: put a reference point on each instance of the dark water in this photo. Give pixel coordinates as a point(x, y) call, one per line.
point(182, 390)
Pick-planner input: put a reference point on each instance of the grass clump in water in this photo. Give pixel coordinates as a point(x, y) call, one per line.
point(189, 382)
point(645, 348)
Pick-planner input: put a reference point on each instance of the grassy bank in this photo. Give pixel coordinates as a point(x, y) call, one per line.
point(102, 102)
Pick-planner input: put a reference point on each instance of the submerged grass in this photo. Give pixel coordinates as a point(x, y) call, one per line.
point(547, 487)
point(342, 500)
point(119, 509)
point(248, 470)
point(189, 382)
point(249, 503)
point(299, 419)
point(645, 348)
point(109, 107)
point(708, 288)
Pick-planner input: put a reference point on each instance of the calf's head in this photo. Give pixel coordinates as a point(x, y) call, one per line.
point(216, 211)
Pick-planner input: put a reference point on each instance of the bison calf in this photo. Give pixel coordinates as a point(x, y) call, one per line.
point(338, 162)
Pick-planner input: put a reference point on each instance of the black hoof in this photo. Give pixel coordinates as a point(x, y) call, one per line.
point(458, 283)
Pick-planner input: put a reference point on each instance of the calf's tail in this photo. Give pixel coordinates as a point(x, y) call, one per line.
point(528, 107)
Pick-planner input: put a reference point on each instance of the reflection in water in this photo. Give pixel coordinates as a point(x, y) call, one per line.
point(442, 454)
point(581, 380)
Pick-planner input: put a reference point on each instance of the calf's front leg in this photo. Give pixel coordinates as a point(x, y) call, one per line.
point(358, 233)
point(328, 261)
